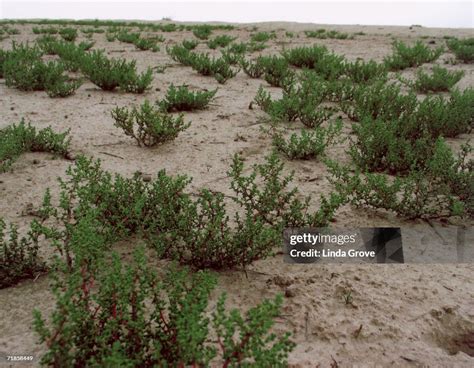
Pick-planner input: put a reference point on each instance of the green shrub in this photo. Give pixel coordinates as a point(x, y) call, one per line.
point(309, 144)
point(108, 74)
point(189, 44)
point(68, 34)
point(254, 69)
point(238, 48)
point(19, 258)
point(218, 68)
point(323, 33)
point(152, 126)
point(442, 188)
point(16, 139)
point(202, 31)
point(47, 44)
point(3, 57)
point(63, 87)
point(45, 30)
point(71, 55)
point(182, 99)
point(131, 318)
point(441, 80)
point(318, 59)
point(365, 72)
point(180, 54)
point(277, 71)
point(262, 37)
point(92, 30)
point(405, 56)
point(463, 49)
point(220, 41)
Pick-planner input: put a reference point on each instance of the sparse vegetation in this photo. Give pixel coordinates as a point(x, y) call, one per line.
point(463, 49)
point(182, 99)
point(19, 138)
point(441, 80)
point(323, 33)
point(147, 125)
point(220, 41)
point(406, 57)
point(108, 74)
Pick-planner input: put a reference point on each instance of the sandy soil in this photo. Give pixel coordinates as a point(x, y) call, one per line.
point(401, 315)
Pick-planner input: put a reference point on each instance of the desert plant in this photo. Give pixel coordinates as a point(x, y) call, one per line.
point(62, 88)
point(365, 72)
point(219, 68)
point(323, 33)
point(147, 125)
point(202, 31)
point(45, 30)
point(180, 54)
point(108, 74)
point(68, 34)
point(19, 257)
point(277, 71)
point(441, 80)
point(18, 138)
point(220, 41)
point(182, 99)
point(189, 44)
point(309, 144)
point(262, 36)
point(404, 56)
point(272, 201)
point(463, 49)
point(131, 318)
point(254, 69)
point(442, 188)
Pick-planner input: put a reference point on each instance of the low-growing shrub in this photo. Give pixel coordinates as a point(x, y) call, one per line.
point(277, 71)
point(323, 33)
point(180, 54)
point(219, 68)
point(318, 59)
point(238, 48)
point(132, 318)
point(108, 74)
point(255, 68)
point(147, 125)
point(220, 41)
point(18, 138)
point(202, 31)
point(463, 49)
point(309, 144)
point(262, 37)
point(189, 44)
point(365, 72)
point(404, 56)
point(19, 257)
point(68, 34)
point(45, 30)
point(182, 99)
point(442, 188)
point(441, 80)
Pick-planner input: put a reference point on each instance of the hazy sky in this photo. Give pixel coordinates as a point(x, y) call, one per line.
point(424, 12)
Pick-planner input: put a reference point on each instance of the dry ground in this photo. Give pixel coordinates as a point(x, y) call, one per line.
point(403, 315)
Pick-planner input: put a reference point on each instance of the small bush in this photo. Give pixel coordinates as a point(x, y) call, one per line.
point(189, 44)
point(277, 71)
point(442, 188)
point(147, 125)
point(202, 31)
point(318, 59)
point(180, 54)
point(16, 139)
point(108, 74)
point(131, 318)
point(254, 69)
point(309, 144)
point(182, 99)
point(19, 258)
point(45, 30)
point(238, 48)
point(462, 49)
point(220, 41)
point(68, 34)
point(323, 33)
point(406, 57)
point(365, 72)
point(218, 68)
point(441, 80)
point(262, 37)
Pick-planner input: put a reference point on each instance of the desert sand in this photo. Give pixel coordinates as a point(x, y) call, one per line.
point(411, 315)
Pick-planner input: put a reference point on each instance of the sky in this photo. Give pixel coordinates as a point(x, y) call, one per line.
point(441, 13)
